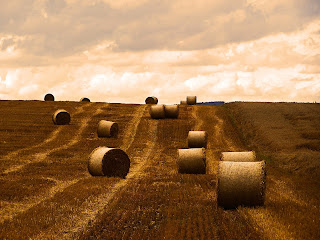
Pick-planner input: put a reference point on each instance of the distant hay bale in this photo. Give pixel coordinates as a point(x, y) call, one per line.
point(191, 100)
point(197, 139)
point(171, 111)
point(84, 99)
point(157, 111)
point(238, 156)
point(241, 183)
point(183, 102)
point(107, 129)
point(49, 97)
point(111, 162)
point(61, 117)
point(151, 100)
point(192, 161)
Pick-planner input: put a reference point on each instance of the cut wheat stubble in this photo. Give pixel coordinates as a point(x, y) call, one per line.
point(61, 117)
point(107, 129)
point(241, 183)
point(192, 161)
point(110, 162)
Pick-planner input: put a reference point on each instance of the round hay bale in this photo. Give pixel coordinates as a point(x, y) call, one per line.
point(111, 162)
point(192, 161)
point(49, 97)
point(61, 117)
point(107, 129)
point(151, 100)
point(238, 156)
point(197, 139)
point(191, 100)
point(183, 102)
point(171, 111)
point(84, 99)
point(241, 183)
point(157, 111)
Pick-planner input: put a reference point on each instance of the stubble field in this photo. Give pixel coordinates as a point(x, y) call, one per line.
point(46, 191)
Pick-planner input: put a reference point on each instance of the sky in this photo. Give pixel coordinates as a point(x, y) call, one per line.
point(126, 50)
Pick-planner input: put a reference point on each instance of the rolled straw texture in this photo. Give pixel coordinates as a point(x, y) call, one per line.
point(183, 102)
point(157, 111)
point(61, 117)
point(192, 161)
point(197, 139)
point(84, 99)
point(241, 183)
point(107, 129)
point(151, 100)
point(111, 162)
point(238, 156)
point(191, 100)
point(49, 97)
point(171, 111)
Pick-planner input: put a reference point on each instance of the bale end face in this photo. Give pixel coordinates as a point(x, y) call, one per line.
point(171, 111)
point(110, 162)
point(49, 97)
point(107, 129)
point(197, 139)
point(241, 183)
point(192, 161)
point(157, 111)
point(151, 100)
point(61, 117)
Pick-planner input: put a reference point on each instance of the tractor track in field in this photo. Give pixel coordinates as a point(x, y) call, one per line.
point(41, 156)
point(91, 208)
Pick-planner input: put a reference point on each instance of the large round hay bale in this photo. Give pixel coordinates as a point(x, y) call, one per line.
point(197, 139)
point(171, 111)
point(191, 100)
point(238, 156)
point(192, 161)
point(183, 102)
point(241, 183)
point(157, 111)
point(107, 129)
point(49, 97)
point(151, 100)
point(111, 162)
point(84, 99)
point(61, 117)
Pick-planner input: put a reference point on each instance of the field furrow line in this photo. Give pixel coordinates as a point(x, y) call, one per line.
point(41, 156)
point(91, 208)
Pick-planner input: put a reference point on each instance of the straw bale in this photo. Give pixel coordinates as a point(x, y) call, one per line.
point(111, 162)
point(84, 99)
point(151, 100)
point(192, 161)
point(171, 111)
point(107, 129)
point(157, 111)
point(239, 156)
point(183, 102)
point(197, 139)
point(49, 97)
point(241, 183)
point(61, 117)
point(191, 100)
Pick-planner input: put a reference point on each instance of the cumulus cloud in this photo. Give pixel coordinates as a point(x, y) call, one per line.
point(126, 50)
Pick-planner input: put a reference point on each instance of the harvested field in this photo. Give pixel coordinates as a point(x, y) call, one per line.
point(48, 193)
